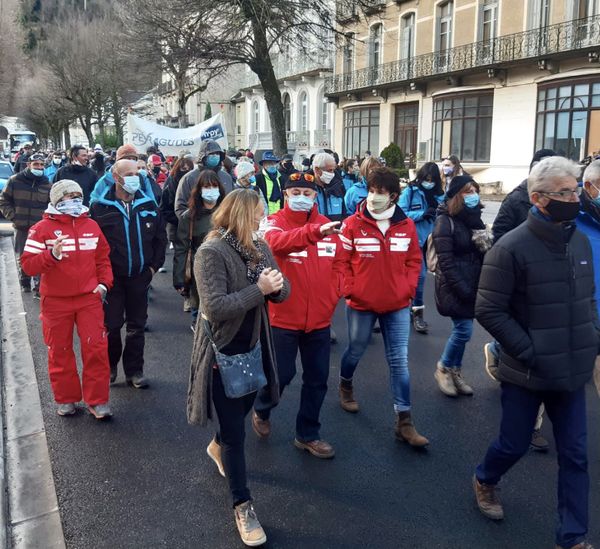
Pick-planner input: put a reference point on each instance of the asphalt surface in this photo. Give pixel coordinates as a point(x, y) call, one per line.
point(144, 479)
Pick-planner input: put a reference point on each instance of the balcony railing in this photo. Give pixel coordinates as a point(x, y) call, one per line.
point(579, 34)
point(322, 139)
point(295, 140)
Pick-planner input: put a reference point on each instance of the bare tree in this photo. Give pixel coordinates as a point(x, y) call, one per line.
point(11, 38)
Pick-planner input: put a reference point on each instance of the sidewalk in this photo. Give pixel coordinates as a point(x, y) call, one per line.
point(29, 514)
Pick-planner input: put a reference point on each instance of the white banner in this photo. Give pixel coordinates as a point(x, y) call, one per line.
point(143, 134)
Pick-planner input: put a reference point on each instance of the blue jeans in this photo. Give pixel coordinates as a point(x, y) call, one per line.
point(314, 350)
point(418, 300)
point(567, 412)
point(455, 346)
point(395, 329)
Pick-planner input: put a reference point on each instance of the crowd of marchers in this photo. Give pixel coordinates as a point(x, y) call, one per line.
point(262, 254)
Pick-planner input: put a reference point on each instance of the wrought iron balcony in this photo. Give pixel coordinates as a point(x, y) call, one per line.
point(554, 41)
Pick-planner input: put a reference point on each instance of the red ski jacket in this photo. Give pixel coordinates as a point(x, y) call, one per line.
point(305, 257)
point(380, 273)
point(85, 259)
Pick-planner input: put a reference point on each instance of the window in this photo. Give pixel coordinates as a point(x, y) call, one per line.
point(255, 117)
point(287, 111)
point(444, 28)
point(303, 118)
point(539, 14)
point(586, 8)
point(462, 125)
point(406, 124)
point(568, 118)
point(323, 110)
point(361, 131)
point(407, 36)
point(348, 63)
point(488, 29)
point(375, 45)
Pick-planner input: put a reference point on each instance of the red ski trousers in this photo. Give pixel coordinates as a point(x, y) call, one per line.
point(59, 316)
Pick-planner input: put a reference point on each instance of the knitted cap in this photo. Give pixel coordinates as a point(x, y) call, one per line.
point(457, 184)
point(126, 150)
point(540, 155)
point(61, 188)
point(243, 169)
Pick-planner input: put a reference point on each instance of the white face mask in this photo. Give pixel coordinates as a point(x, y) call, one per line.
point(378, 202)
point(326, 177)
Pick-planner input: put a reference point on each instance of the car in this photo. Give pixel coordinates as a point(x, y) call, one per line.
point(6, 170)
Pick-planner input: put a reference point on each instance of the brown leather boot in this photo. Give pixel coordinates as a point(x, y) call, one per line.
point(487, 500)
point(405, 431)
point(347, 396)
point(262, 427)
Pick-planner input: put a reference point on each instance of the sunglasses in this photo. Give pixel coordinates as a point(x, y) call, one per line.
point(298, 176)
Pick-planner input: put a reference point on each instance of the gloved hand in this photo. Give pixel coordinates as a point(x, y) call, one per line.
point(101, 289)
point(429, 213)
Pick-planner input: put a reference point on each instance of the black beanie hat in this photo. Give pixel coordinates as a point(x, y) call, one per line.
point(299, 179)
point(457, 184)
point(540, 155)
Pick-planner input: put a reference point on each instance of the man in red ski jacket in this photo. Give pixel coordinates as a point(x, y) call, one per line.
point(380, 264)
point(70, 252)
point(304, 243)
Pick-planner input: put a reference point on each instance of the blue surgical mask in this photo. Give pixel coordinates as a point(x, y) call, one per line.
point(252, 179)
point(212, 160)
point(448, 170)
point(143, 173)
point(471, 200)
point(56, 161)
point(131, 184)
point(428, 185)
point(70, 206)
point(271, 170)
point(211, 195)
point(300, 203)
point(37, 173)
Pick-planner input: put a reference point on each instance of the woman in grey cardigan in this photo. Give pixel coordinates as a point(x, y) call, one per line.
point(236, 275)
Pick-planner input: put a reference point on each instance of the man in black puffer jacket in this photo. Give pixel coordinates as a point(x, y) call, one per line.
point(77, 170)
point(536, 297)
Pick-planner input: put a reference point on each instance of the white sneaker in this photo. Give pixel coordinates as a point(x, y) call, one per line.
point(250, 530)
point(100, 411)
point(67, 409)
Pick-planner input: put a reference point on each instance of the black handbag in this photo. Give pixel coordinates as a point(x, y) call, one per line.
point(241, 374)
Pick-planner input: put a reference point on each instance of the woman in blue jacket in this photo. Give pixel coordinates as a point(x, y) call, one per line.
point(350, 174)
point(419, 201)
point(358, 192)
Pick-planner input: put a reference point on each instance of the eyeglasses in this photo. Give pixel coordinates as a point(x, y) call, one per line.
point(298, 176)
point(563, 194)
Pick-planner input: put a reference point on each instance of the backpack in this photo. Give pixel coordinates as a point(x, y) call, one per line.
point(431, 257)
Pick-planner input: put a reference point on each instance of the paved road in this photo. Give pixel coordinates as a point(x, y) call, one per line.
point(144, 480)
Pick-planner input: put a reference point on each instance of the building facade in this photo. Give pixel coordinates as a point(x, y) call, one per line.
point(490, 81)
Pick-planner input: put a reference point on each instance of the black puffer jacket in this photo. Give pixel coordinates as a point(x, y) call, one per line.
point(83, 175)
point(513, 211)
point(536, 297)
point(459, 265)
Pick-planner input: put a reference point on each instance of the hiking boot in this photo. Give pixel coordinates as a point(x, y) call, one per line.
point(36, 294)
point(113, 375)
point(318, 448)
point(582, 545)
point(100, 411)
point(405, 431)
point(491, 362)
point(262, 427)
point(66, 409)
point(487, 500)
point(138, 381)
point(538, 442)
point(250, 530)
point(445, 381)
point(461, 386)
point(418, 321)
point(347, 396)
point(214, 452)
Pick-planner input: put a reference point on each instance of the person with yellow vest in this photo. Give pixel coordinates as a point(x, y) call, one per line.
point(268, 180)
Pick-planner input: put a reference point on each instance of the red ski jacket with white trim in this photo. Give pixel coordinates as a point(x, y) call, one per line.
point(305, 258)
point(84, 262)
point(380, 273)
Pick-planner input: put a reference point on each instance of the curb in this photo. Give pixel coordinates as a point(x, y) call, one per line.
point(33, 513)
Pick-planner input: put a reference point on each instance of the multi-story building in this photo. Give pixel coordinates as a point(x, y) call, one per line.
point(308, 114)
point(490, 81)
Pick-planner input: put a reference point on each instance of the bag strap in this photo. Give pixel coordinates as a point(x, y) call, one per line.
point(209, 332)
point(191, 231)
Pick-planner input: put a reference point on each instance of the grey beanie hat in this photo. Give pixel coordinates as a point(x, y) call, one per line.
point(61, 188)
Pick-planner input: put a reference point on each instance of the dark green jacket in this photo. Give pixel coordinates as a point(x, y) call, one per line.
point(25, 198)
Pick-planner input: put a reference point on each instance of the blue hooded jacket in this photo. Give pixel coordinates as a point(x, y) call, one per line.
point(354, 195)
point(414, 205)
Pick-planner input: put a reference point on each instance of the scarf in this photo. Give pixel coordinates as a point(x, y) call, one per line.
point(430, 196)
point(471, 217)
point(254, 265)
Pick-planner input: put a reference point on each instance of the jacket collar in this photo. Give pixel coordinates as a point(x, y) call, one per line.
point(363, 212)
point(555, 235)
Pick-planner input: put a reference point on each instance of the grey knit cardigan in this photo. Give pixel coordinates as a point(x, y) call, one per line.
point(226, 296)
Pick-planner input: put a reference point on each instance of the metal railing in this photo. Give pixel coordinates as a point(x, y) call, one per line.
point(322, 138)
point(579, 34)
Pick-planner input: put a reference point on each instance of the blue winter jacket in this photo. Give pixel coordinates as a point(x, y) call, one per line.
point(414, 205)
point(591, 228)
point(349, 179)
point(50, 171)
point(355, 194)
point(107, 181)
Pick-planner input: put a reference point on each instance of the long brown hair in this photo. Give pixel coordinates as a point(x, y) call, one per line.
point(236, 216)
point(457, 202)
point(205, 179)
point(178, 167)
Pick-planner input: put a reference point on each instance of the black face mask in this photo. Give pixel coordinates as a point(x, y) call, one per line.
point(561, 211)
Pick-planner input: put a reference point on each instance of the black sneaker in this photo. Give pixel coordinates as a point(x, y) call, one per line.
point(138, 381)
